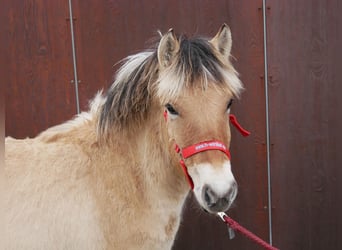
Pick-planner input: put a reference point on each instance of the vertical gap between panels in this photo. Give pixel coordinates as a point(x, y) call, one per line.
point(74, 57)
point(269, 194)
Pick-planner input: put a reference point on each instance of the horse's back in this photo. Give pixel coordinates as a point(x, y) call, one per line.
point(47, 197)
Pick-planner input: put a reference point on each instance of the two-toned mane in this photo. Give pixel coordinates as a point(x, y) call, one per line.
point(111, 178)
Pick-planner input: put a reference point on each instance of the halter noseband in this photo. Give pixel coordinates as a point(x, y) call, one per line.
point(204, 146)
point(197, 148)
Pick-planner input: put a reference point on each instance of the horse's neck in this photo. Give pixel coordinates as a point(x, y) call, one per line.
point(162, 172)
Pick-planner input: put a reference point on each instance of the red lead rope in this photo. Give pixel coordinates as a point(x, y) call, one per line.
point(236, 226)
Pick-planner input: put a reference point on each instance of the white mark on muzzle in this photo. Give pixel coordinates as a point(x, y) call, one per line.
point(220, 180)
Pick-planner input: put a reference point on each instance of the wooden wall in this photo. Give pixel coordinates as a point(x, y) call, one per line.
point(305, 73)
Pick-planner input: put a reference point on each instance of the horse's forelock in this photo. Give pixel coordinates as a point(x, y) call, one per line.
point(195, 66)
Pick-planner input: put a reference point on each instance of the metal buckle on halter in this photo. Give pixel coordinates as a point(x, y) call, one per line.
point(222, 214)
point(231, 231)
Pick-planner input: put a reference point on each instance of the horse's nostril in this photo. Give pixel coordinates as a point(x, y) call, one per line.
point(209, 196)
point(206, 197)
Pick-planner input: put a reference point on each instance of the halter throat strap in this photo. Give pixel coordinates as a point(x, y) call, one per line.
point(237, 125)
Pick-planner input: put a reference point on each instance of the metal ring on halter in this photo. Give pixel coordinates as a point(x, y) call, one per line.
point(221, 215)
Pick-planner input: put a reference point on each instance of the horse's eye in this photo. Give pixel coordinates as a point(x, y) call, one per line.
point(171, 110)
point(229, 104)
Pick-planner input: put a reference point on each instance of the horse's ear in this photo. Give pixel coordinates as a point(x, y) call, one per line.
point(222, 41)
point(168, 48)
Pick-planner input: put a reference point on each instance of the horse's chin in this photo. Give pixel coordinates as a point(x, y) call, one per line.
point(210, 211)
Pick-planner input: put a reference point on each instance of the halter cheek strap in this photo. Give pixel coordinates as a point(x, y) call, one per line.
point(204, 146)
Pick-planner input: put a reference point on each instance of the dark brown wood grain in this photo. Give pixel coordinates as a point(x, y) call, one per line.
point(39, 93)
point(305, 59)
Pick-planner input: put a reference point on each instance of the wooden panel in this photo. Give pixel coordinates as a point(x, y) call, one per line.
point(305, 58)
point(38, 91)
point(5, 79)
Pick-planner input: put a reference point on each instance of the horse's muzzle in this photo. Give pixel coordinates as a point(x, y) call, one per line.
point(218, 202)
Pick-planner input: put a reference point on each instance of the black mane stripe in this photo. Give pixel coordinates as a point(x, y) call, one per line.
point(129, 96)
point(196, 54)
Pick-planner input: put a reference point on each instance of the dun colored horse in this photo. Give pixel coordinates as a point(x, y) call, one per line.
point(113, 177)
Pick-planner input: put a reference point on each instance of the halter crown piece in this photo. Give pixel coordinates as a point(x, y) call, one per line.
point(205, 146)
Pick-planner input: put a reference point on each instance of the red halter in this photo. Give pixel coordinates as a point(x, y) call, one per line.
point(204, 146)
point(197, 148)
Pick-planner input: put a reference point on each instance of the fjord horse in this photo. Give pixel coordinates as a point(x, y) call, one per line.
point(113, 177)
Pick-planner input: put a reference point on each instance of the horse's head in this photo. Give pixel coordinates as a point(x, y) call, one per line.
point(197, 84)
